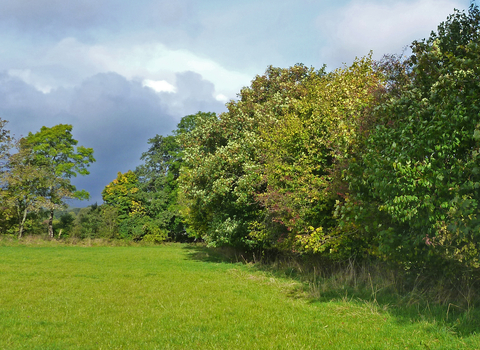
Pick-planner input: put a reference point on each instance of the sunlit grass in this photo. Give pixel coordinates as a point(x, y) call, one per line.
point(169, 297)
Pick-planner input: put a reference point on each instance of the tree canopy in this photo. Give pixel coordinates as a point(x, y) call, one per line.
point(419, 169)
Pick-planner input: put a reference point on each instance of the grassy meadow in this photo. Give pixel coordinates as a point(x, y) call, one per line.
point(178, 296)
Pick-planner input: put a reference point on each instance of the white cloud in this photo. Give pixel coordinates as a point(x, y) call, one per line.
point(222, 98)
point(384, 27)
point(159, 85)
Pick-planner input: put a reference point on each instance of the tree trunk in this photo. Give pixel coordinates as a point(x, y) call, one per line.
point(22, 223)
point(50, 224)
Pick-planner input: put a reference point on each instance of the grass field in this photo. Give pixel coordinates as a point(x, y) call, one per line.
point(180, 297)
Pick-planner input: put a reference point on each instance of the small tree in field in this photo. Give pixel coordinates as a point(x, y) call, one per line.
point(53, 151)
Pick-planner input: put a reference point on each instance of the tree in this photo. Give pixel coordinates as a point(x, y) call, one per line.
point(65, 223)
point(53, 150)
point(419, 169)
point(5, 144)
point(303, 155)
point(88, 223)
point(157, 181)
point(21, 183)
point(123, 194)
point(219, 179)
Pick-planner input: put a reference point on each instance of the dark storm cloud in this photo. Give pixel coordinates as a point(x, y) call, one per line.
point(116, 117)
point(109, 113)
point(26, 108)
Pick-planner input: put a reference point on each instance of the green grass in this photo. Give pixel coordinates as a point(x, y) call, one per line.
point(183, 297)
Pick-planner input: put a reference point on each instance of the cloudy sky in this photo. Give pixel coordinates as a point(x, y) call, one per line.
point(123, 71)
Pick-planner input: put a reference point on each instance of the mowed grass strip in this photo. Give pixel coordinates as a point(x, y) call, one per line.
point(163, 298)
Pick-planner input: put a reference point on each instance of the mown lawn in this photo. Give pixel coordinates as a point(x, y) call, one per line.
point(166, 297)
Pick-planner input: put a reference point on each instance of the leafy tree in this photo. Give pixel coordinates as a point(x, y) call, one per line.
point(5, 143)
point(190, 122)
point(93, 221)
point(66, 222)
point(88, 222)
point(123, 194)
point(53, 150)
point(157, 178)
point(21, 183)
point(304, 153)
point(157, 181)
point(110, 220)
point(219, 179)
point(417, 181)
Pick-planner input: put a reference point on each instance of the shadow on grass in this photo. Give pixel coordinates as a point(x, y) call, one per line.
point(200, 252)
point(458, 320)
point(363, 287)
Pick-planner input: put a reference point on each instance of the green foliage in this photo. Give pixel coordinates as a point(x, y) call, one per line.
point(122, 193)
point(110, 221)
point(53, 151)
point(5, 143)
point(66, 222)
point(266, 171)
point(304, 152)
point(418, 177)
point(88, 222)
point(125, 204)
point(55, 148)
point(37, 176)
point(153, 233)
point(94, 221)
point(22, 185)
point(220, 178)
point(158, 182)
point(152, 189)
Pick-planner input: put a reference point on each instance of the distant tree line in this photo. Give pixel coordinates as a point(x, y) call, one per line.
point(377, 159)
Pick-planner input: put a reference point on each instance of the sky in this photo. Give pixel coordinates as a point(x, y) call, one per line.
point(122, 72)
